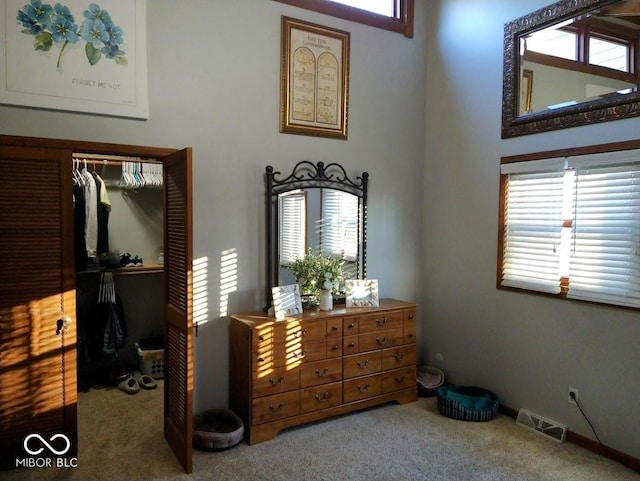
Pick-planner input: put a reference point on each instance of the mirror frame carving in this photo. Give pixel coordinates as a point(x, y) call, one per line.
point(585, 113)
point(306, 174)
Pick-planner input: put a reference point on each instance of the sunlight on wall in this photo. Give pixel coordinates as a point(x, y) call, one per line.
point(200, 289)
point(228, 278)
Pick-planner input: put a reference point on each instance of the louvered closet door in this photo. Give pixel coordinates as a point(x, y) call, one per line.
point(37, 288)
point(178, 260)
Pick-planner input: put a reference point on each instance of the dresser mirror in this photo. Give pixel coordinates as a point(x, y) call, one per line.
point(572, 63)
point(317, 207)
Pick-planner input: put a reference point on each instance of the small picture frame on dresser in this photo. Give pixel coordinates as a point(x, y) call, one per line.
point(286, 300)
point(361, 293)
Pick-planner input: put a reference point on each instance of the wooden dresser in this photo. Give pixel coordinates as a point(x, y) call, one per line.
point(323, 363)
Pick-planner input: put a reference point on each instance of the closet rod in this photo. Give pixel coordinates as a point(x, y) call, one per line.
point(116, 159)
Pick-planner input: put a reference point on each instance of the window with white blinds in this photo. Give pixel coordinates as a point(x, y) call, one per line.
point(339, 225)
point(292, 225)
point(572, 227)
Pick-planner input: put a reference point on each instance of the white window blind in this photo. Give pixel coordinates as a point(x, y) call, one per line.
point(533, 228)
point(605, 262)
point(581, 224)
point(339, 237)
point(292, 225)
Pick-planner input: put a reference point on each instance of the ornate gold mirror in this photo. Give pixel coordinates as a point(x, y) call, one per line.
point(572, 63)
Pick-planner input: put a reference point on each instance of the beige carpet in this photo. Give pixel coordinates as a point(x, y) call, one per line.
point(121, 439)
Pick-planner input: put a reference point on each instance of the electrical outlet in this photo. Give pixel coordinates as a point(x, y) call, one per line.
point(573, 396)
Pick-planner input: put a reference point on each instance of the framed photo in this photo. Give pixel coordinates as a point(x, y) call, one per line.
point(75, 55)
point(314, 79)
point(286, 301)
point(361, 293)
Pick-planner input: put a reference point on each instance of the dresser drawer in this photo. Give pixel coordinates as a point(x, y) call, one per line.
point(398, 379)
point(334, 348)
point(398, 357)
point(320, 372)
point(381, 321)
point(350, 326)
point(409, 325)
point(334, 328)
point(313, 350)
point(272, 357)
point(350, 345)
point(381, 339)
point(321, 397)
point(362, 387)
point(275, 381)
point(275, 407)
point(268, 335)
point(362, 364)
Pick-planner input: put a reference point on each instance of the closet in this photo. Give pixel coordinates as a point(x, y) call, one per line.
point(38, 323)
point(119, 288)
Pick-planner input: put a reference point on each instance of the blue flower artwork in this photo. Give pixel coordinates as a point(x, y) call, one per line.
point(56, 26)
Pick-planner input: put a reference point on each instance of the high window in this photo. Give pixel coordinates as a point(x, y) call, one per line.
point(587, 42)
point(393, 15)
point(571, 227)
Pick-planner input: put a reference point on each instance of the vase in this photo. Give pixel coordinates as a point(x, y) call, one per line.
point(326, 301)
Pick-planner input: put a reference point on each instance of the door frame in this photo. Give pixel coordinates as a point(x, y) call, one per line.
point(157, 153)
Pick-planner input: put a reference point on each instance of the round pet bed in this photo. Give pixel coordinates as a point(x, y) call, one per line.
point(217, 429)
point(467, 403)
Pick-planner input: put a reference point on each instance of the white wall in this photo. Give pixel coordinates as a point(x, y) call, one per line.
point(214, 86)
point(526, 348)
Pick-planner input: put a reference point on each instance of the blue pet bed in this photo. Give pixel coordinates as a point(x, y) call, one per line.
point(467, 403)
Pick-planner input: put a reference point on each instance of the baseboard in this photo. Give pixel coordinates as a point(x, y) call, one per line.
point(589, 444)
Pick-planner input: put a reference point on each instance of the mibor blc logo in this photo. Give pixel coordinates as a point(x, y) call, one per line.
point(46, 453)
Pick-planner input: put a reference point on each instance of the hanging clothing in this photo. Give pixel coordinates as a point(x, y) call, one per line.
point(79, 220)
point(103, 209)
point(91, 224)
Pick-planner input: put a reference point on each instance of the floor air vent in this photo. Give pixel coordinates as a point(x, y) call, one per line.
point(547, 427)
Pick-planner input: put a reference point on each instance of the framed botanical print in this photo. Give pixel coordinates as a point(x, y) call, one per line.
point(75, 55)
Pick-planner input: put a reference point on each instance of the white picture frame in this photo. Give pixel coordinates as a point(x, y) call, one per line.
point(41, 68)
point(361, 293)
point(287, 301)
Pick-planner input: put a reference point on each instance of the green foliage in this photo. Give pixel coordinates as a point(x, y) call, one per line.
point(316, 272)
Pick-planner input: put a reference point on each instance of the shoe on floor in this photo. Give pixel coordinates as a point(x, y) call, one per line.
point(130, 386)
point(147, 382)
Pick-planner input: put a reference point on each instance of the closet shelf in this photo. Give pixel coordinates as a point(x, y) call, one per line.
point(125, 271)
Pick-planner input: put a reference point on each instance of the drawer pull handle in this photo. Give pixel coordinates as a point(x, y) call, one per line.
point(275, 409)
point(335, 347)
point(381, 322)
point(300, 355)
point(300, 334)
point(334, 328)
point(399, 356)
point(410, 335)
point(325, 397)
point(363, 365)
point(352, 344)
point(260, 338)
point(275, 382)
point(352, 325)
point(364, 388)
point(399, 380)
point(261, 359)
point(411, 317)
point(324, 372)
point(382, 341)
